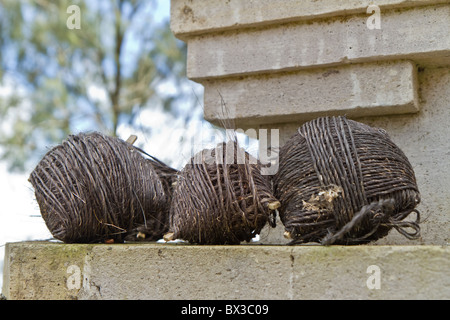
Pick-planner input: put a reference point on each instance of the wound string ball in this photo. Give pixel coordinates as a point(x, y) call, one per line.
point(221, 197)
point(344, 182)
point(94, 188)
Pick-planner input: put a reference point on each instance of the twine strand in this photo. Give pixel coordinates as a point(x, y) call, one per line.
point(94, 188)
point(344, 182)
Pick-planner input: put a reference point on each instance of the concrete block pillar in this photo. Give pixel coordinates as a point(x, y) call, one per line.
point(277, 64)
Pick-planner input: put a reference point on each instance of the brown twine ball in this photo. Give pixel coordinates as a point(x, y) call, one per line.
point(94, 188)
point(221, 198)
point(344, 182)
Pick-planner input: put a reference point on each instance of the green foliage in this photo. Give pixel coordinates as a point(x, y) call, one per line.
point(60, 80)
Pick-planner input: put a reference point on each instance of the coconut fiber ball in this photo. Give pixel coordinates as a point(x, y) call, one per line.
point(95, 188)
point(344, 182)
point(221, 197)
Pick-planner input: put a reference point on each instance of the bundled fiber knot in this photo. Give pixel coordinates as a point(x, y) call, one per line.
point(221, 197)
point(94, 188)
point(344, 182)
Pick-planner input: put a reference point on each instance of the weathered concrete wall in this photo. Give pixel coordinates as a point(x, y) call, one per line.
point(42, 270)
point(195, 17)
point(363, 89)
point(277, 64)
point(419, 34)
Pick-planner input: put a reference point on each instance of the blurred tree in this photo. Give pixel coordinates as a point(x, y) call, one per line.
point(60, 79)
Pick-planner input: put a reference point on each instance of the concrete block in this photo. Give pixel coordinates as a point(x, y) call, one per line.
point(419, 34)
point(190, 17)
point(354, 90)
point(42, 270)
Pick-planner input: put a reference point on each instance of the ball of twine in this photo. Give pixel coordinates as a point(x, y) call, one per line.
point(344, 182)
point(94, 188)
point(221, 197)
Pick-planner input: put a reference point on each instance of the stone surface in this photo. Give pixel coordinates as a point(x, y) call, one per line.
point(353, 90)
point(190, 17)
point(419, 34)
point(42, 270)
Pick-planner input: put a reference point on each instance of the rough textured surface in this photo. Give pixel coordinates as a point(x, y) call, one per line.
point(420, 34)
point(362, 90)
point(193, 17)
point(42, 270)
point(424, 137)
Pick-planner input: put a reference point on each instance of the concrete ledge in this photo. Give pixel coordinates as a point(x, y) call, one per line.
point(193, 17)
point(43, 270)
point(354, 90)
point(419, 34)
